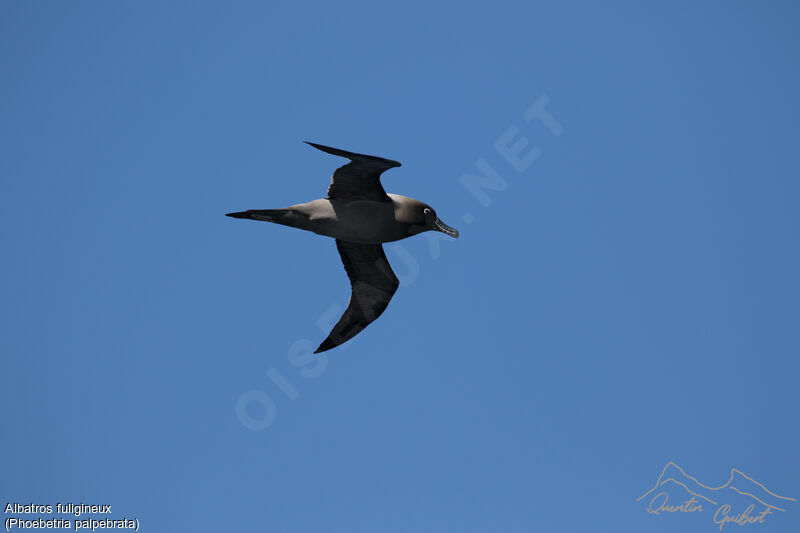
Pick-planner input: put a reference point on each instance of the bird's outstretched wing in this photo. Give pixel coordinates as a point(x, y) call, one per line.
point(360, 179)
point(373, 284)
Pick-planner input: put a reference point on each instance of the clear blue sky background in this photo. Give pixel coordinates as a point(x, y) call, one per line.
point(631, 298)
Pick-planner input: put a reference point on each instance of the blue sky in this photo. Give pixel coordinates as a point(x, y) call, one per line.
point(627, 299)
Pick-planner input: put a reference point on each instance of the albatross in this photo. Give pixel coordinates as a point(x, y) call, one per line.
point(361, 216)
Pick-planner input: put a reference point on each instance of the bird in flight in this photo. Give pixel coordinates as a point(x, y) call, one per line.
point(361, 217)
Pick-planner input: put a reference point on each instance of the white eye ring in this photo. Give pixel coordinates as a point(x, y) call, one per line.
point(427, 211)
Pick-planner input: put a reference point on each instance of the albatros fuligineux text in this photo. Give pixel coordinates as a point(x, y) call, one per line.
point(360, 216)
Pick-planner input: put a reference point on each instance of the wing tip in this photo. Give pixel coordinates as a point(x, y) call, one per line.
point(350, 155)
point(315, 145)
point(326, 345)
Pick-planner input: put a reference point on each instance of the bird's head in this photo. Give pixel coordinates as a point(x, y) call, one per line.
point(432, 222)
point(419, 217)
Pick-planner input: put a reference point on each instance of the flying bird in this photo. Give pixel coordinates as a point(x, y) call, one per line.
point(361, 217)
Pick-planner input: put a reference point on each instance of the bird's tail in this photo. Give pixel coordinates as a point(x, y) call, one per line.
point(268, 215)
point(285, 216)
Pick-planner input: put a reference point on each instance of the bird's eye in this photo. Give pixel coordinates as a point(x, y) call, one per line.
point(427, 211)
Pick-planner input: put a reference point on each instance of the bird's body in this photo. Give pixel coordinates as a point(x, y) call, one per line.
point(360, 216)
point(359, 221)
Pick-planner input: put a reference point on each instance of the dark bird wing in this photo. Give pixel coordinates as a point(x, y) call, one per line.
point(373, 284)
point(360, 179)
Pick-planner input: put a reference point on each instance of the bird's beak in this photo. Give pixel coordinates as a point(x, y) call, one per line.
point(438, 225)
